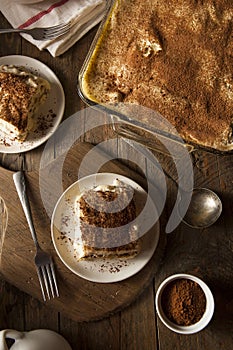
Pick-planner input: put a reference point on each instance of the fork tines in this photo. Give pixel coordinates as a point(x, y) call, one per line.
point(47, 279)
point(57, 30)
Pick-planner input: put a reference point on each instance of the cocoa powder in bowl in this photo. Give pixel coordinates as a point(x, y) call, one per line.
point(183, 302)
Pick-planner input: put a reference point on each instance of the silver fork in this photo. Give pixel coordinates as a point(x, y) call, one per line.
point(41, 33)
point(43, 261)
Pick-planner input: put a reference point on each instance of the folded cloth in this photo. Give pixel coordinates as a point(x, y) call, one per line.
point(82, 14)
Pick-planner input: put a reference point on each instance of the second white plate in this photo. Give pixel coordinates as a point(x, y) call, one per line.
point(50, 113)
point(64, 224)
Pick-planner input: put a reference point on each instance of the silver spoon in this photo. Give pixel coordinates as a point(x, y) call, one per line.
point(205, 206)
point(204, 209)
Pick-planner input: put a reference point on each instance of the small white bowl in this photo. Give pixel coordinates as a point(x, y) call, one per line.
point(198, 326)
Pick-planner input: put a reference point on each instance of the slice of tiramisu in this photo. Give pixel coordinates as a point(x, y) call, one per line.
point(21, 94)
point(106, 222)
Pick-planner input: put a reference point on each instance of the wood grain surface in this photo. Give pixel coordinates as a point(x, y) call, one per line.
point(79, 299)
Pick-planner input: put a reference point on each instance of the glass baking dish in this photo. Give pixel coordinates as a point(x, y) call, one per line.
point(134, 121)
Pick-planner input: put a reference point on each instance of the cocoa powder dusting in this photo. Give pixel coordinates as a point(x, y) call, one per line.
point(174, 57)
point(183, 302)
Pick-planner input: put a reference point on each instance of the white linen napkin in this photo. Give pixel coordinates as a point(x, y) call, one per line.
point(83, 15)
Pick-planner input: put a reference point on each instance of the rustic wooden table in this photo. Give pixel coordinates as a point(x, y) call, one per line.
point(206, 253)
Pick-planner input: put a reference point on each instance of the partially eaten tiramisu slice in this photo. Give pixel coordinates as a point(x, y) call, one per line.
point(21, 94)
point(107, 215)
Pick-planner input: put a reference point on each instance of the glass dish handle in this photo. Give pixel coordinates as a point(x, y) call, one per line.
point(152, 142)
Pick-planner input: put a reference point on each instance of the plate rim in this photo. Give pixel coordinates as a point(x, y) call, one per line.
point(107, 280)
point(60, 113)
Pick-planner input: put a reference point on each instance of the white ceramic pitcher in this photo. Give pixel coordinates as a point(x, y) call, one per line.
point(39, 339)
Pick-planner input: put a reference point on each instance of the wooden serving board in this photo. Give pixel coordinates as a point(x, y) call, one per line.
point(80, 299)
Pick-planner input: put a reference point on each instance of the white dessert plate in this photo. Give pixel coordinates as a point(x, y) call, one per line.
point(65, 231)
point(49, 114)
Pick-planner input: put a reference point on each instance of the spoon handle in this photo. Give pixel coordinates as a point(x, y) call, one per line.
point(182, 195)
point(147, 154)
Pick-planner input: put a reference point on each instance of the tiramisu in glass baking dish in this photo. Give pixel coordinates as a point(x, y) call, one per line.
point(173, 57)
